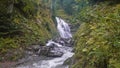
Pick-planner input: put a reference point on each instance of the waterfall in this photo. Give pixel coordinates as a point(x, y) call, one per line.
point(63, 28)
point(58, 47)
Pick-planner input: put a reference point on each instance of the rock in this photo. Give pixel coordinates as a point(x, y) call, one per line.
point(54, 53)
point(44, 50)
point(51, 43)
point(36, 47)
point(68, 61)
point(49, 51)
point(64, 42)
point(52, 48)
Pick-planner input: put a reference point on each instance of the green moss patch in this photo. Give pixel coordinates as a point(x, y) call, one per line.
point(97, 42)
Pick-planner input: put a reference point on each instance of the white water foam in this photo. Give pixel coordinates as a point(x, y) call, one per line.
point(63, 28)
point(50, 42)
point(58, 61)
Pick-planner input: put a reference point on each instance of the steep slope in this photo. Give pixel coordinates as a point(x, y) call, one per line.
point(97, 42)
point(23, 23)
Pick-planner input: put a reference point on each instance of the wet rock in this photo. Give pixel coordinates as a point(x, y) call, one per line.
point(70, 61)
point(64, 42)
point(33, 48)
point(51, 43)
point(49, 51)
point(55, 53)
point(44, 50)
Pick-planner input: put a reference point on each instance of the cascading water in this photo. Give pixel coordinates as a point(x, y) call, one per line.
point(56, 62)
point(63, 28)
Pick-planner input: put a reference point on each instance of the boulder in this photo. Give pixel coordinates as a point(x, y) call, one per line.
point(51, 43)
point(55, 53)
point(35, 48)
point(49, 51)
point(44, 50)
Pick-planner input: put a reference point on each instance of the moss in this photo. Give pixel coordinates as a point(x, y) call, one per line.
point(97, 40)
point(28, 23)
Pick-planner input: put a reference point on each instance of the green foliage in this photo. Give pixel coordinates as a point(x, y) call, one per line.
point(98, 39)
point(27, 7)
point(6, 44)
point(23, 23)
point(9, 49)
point(66, 5)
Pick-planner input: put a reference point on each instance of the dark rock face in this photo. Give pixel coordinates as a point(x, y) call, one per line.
point(52, 49)
point(44, 50)
point(49, 51)
point(65, 42)
point(55, 53)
